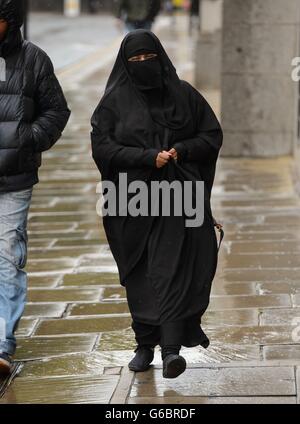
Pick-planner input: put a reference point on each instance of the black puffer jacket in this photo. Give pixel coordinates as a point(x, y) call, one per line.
point(33, 109)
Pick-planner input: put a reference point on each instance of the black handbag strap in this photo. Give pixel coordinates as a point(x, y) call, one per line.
point(219, 227)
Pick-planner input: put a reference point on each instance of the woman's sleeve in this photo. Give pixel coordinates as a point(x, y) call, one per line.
point(205, 145)
point(107, 153)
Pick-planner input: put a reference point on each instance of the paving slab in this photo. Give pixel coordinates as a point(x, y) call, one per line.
point(26, 327)
point(282, 352)
point(265, 247)
point(259, 275)
point(298, 384)
point(296, 299)
point(292, 287)
point(63, 295)
point(113, 293)
point(210, 400)
point(62, 390)
point(46, 310)
point(231, 382)
point(261, 335)
point(58, 253)
point(99, 308)
point(288, 317)
point(90, 279)
point(47, 281)
point(249, 302)
point(68, 365)
point(241, 288)
point(81, 325)
point(34, 348)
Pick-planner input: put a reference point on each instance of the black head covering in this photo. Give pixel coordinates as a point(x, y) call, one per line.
point(138, 44)
point(154, 81)
point(146, 74)
point(12, 12)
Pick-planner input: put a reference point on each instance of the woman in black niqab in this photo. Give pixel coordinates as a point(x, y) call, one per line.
point(166, 267)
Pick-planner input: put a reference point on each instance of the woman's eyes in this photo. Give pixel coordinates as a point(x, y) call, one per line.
point(142, 58)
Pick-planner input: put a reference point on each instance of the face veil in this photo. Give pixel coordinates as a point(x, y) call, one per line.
point(154, 81)
point(145, 74)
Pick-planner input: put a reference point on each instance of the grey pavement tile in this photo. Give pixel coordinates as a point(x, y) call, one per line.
point(289, 352)
point(263, 335)
point(81, 325)
point(249, 302)
point(208, 400)
point(46, 347)
point(26, 327)
point(46, 310)
point(61, 390)
point(69, 365)
point(63, 295)
point(231, 382)
point(284, 316)
point(90, 279)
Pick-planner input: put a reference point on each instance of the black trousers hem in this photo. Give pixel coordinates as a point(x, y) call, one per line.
point(186, 333)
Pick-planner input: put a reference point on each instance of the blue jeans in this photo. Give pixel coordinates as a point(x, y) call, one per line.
point(131, 26)
point(14, 208)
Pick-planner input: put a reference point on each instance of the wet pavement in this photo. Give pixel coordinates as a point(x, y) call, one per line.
point(75, 339)
point(81, 36)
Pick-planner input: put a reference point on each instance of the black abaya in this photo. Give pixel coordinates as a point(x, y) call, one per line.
point(166, 267)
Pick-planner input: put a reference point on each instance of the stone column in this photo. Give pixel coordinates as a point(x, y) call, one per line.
point(258, 94)
point(208, 50)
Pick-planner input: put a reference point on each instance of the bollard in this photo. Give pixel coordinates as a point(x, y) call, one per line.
point(72, 8)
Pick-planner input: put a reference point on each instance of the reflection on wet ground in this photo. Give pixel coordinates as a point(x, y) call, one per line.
point(75, 339)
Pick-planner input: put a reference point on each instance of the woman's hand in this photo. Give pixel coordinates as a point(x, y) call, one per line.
point(173, 154)
point(162, 159)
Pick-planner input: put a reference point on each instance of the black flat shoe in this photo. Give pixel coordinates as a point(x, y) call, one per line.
point(173, 366)
point(142, 360)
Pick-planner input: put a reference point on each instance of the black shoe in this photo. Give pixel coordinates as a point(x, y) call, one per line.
point(173, 365)
point(142, 360)
point(5, 364)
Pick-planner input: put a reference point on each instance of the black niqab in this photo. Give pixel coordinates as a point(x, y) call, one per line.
point(166, 267)
point(169, 107)
point(147, 74)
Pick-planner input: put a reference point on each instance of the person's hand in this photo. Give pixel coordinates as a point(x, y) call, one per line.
point(173, 154)
point(162, 159)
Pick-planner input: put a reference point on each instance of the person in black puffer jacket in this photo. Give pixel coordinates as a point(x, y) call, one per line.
point(33, 114)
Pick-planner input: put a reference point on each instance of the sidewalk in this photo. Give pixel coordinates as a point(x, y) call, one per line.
point(75, 339)
point(81, 36)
